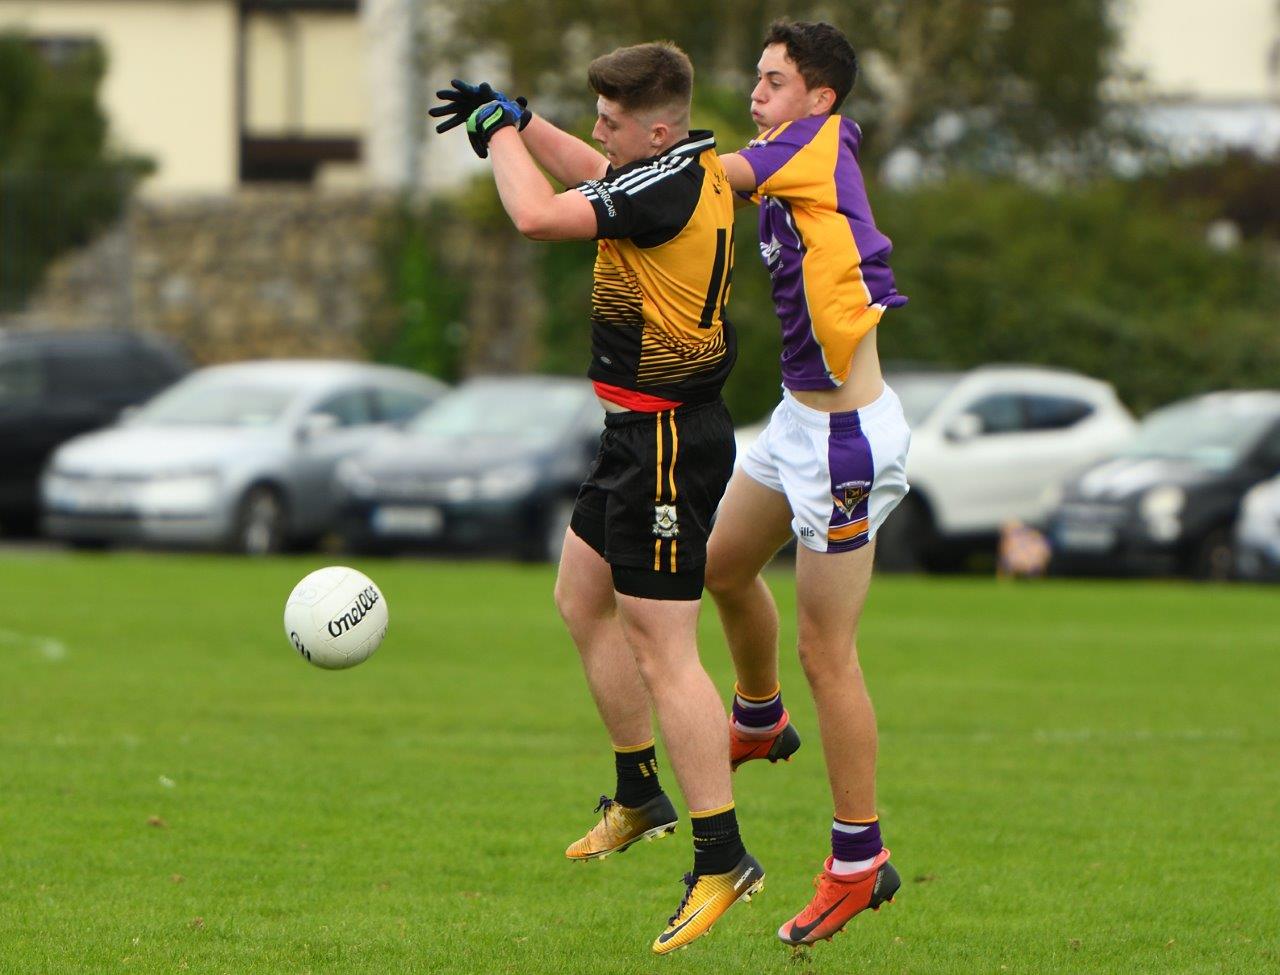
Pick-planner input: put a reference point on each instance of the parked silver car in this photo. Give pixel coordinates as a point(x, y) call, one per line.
point(238, 456)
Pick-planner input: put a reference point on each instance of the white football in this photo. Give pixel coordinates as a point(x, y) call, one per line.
point(335, 617)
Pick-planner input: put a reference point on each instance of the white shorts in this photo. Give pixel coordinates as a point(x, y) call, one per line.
point(841, 472)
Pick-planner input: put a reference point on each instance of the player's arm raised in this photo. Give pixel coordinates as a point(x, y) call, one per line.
point(564, 156)
point(534, 207)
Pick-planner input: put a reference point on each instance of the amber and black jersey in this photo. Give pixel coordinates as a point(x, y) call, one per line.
point(663, 268)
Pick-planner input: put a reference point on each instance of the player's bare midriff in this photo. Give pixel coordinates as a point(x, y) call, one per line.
point(863, 387)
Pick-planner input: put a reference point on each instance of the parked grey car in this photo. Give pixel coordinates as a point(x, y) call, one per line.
point(236, 456)
point(493, 466)
point(1169, 500)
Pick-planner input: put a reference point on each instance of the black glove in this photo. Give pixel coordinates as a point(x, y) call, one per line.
point(463, 99)
point(488, 119)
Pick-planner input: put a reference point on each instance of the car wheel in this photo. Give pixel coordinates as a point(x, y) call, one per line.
point(260, 523)
point(904, 540)
point(1215, 557)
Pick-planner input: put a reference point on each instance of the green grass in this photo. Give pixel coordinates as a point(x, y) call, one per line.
point(1074, 778)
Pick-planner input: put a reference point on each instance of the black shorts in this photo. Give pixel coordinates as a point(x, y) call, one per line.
point(648, 503)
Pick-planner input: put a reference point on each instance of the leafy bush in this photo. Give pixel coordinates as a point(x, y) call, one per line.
point(1106, 279)
point(59, 182)
point(420, 321)
point(1110, 278)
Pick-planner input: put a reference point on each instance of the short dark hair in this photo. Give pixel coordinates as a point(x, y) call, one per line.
point(821, 53)
point(643, 77)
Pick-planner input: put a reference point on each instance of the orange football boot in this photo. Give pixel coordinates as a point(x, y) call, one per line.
point(839, 898)
point(777, 744)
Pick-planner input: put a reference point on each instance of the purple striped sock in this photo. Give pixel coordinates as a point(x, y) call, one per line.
point(757, 715)
point(854, 842)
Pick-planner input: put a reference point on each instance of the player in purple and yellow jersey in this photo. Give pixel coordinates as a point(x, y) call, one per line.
point(829, 467)
point(631, 574)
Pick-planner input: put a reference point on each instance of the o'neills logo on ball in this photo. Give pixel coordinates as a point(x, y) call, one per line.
point(358, 611)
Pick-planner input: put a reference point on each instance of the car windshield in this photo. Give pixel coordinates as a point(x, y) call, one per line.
point(1212, 434)
point(534, 416)
point(921, 392)
point(218, 402)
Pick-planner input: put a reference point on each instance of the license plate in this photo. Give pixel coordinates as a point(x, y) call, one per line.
point(98, 499)
point(1087, 538)
point(423, 522)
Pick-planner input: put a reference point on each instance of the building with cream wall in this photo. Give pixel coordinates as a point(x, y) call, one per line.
point(218, 92)
point(223, 92)
point(1212, 71)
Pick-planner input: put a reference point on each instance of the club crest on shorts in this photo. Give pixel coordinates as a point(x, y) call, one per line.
point(849, 495)
point(664, 521)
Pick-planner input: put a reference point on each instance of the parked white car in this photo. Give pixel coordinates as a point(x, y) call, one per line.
point(989, 446)
point(239, 456)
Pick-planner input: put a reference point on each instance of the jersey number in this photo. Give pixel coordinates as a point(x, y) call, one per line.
point(721, 276)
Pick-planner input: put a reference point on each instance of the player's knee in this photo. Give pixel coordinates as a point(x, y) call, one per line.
point(718, 580)
point(664, 673)
point(651, 672)
point(825, 665)
point(576, 608)
point(725, 581)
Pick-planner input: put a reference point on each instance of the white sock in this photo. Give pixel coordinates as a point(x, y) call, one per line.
point(851, 866)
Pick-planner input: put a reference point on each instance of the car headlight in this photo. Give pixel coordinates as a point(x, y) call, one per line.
point(1160, 509)
point(1163, 502)
point(507, 482)
point(189, 492)
point(355, 479)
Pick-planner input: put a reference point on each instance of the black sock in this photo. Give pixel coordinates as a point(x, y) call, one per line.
point(717, 847)
point(637, 774)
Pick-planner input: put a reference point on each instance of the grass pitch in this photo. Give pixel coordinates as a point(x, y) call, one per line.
point(1074, 778)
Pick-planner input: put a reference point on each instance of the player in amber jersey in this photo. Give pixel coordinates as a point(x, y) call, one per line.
point(631, 574)
point(830, 465)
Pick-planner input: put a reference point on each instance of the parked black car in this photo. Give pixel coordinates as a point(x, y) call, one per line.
point(1169, 502)
point(493, 466)
point(55, 385)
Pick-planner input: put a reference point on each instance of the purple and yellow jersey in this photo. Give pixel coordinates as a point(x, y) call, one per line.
point(829, 263)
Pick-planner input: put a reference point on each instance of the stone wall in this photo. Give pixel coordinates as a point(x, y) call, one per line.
point(267, 272)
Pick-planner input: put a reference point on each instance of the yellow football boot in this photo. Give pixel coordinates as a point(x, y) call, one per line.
point(621, 826)
point(706, 899)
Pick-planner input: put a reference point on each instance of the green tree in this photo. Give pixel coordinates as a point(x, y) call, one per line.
point(59, 181)
point(973, 85)
point(1007, 77)
point(419, 324)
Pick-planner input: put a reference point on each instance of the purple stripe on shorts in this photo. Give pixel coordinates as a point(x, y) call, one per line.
point(852, 473)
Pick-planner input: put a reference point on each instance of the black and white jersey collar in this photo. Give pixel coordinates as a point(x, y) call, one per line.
point(690, 147)
point(696, 142)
